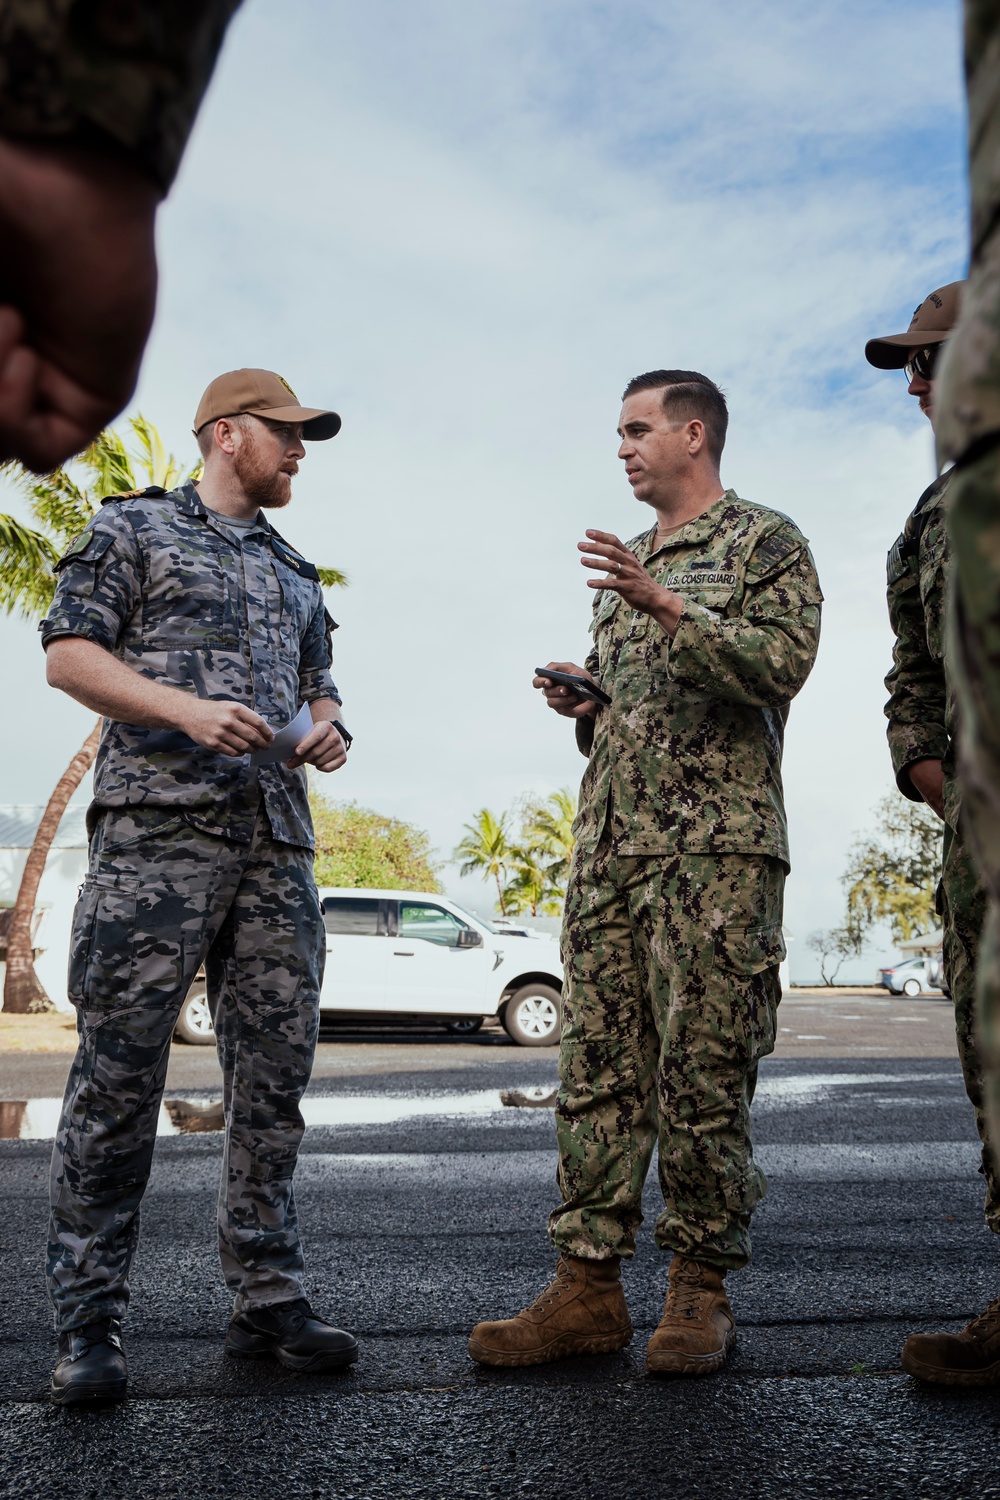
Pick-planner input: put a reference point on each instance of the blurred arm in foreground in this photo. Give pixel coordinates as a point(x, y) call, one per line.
point(967, 427)
point(95, 112)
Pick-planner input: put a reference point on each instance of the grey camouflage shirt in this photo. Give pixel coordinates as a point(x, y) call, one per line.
point(160, 581)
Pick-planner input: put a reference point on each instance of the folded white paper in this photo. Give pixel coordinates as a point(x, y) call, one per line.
point(282, 747)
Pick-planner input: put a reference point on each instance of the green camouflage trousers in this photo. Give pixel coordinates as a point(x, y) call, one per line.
point(161, 898)
point(967, 422)
point(669, 1003)
point(975, 530)
point(963, 908)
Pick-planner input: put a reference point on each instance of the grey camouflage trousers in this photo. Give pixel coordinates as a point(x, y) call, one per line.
point(161, 898)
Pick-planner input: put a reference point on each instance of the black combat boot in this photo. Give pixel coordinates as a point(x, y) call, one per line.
point(292, 1333)
point(91, 1364)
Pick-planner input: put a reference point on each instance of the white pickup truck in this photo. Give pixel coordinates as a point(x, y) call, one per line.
point(413, 954)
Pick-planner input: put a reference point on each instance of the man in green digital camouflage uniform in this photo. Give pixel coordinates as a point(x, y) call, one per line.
point(705, 628)
point(967, 425)
point(97, 98)
point(187, 621)
point(921, 707)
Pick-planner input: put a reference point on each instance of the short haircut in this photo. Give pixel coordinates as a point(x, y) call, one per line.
point(687, 395)
point(205, 436)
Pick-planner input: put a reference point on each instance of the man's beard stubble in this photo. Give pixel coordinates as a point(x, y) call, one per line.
point(270, 490)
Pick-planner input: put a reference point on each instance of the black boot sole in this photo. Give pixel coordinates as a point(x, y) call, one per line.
point(303, 1364)
point(89, 1395)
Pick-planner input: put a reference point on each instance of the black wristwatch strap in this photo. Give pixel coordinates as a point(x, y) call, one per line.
point(344, 732)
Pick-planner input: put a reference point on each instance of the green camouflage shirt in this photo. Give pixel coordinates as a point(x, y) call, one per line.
point(163, 583)
point(121, 74)
point(688, 757)
point(921, 708)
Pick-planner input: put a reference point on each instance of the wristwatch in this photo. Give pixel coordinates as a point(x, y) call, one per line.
point(344, 732)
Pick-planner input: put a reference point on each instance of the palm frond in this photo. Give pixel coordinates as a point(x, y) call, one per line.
point(60, 505)
point(332, 578)
point(27, 581)
point(110, 464)
point(160, 466)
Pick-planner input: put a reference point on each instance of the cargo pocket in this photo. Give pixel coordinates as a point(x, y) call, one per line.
point(100, 968)
point(749, 958)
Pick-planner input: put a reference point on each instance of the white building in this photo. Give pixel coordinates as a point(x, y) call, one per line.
point(64, 872)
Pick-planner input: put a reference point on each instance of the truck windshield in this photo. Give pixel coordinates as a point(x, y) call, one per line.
point(481, 920)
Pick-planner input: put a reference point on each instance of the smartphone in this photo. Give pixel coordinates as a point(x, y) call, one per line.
point(581, 686)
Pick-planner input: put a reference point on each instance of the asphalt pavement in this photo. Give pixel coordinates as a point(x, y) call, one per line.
point(423, 1199)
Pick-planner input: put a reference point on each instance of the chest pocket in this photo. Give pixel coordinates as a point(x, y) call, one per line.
point(717, 587)
point(188, 596)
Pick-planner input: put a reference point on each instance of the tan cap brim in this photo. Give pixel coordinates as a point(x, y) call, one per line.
point(317, 425)
point(892, 351)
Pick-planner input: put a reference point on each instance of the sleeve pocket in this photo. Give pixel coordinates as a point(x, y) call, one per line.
point(77, 568)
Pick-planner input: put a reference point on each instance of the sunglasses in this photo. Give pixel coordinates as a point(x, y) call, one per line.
point(922, 362)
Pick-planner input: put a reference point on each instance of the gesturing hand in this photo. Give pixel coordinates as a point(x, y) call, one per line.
point(77, 294)
point(322, 748)
point(561, 698)
point(626, 576)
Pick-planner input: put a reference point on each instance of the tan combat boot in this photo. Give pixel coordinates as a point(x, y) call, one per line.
point(581, 1311)
point(971, 1357)
point(697, 1329)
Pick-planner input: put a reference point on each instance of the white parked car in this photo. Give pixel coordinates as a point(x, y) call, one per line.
point(407, 953)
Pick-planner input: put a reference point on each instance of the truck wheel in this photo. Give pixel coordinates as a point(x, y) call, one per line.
point(464, 1025)
point(194, 1024)
point(533, 1017)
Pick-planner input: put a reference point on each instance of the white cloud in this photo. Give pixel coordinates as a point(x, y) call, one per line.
point(466, 227)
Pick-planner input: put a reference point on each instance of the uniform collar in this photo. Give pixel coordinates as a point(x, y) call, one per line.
point(700, 529)
point(188, 500)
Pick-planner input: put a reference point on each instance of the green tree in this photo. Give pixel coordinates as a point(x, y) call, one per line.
point(62, 504)
point(540, 855)
point(485, 851)
point(893, 873)
point(529, 868)
point(358, 847)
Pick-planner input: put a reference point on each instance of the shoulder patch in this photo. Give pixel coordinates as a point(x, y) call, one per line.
point(79, 544)
point(774, 548)
point(89, 546)
point(150, 490)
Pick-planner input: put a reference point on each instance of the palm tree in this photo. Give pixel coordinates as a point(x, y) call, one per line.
point(541, 854)
point(548, 828)
point(528, 888)
point(63, 508)
point(485, 850)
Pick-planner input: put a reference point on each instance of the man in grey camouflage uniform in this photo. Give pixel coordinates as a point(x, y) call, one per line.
point(196, 630)
point(705, 628)
point(97, 99)
point(921, 714)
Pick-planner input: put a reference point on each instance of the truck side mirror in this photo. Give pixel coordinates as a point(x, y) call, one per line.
point(469, 939)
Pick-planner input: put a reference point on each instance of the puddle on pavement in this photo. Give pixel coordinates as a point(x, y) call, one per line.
point(37, 1119)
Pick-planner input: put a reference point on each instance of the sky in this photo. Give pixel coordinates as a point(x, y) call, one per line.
point(465, 227)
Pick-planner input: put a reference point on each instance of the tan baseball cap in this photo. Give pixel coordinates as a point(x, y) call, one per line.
point(263, 394)
point(931, 324)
